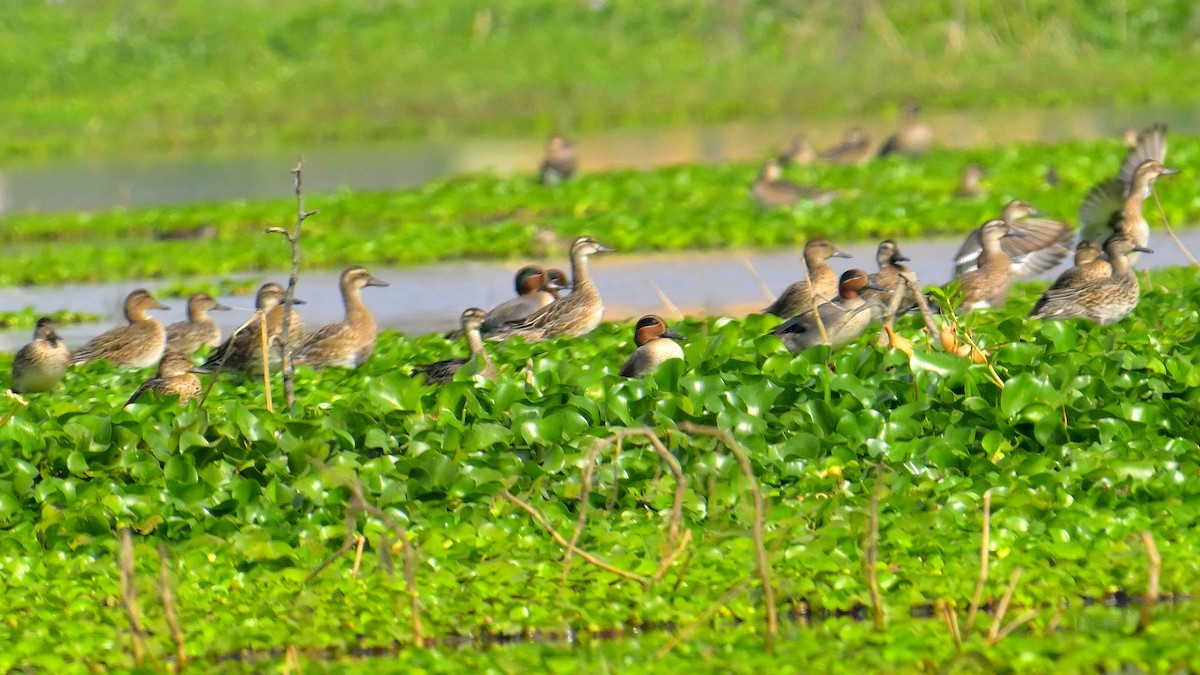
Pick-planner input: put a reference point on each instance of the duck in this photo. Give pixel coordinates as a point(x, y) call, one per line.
point(798, 297)
point(655, 342)
point(888, 278)
point(139, 344)
point(912, 139)
point(1104, 301)
point(176, 376)
point(854, 148)
point(1036, 244)
point(244, 348)
point(798, 153)
point(970, 184)
point(350, 342)
point(39, 365)
point(987, 285)
point(443, 371)
point(186, 337)
point(772, 190)
point(1090, 264)
point(1116, 204)
point(535, 290)
point(559, 162)
point(844, 319)
point(574, 315)
point(556, 282)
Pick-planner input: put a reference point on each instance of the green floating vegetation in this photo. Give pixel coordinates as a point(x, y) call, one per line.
point(28, 317)
point(481, 216)
point(105, 77)
point(1089, 444)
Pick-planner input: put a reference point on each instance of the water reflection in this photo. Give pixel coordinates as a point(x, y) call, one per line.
point(75, 185)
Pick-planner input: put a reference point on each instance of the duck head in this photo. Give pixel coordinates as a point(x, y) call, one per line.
point(888, 253)
point(822, 249)
point(529, 279)
point(1086, 251)
point(139, 302)
point(652, 327)
point(200, 304)
point(45, 331)
point(1016, 210)
point(355, 278)
point(585, 246)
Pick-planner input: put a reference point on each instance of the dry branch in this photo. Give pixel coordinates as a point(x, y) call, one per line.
point(129, 597)
point(983, 561)
point(1171, 232)
point(1002, 608)
point(764, 565)
point(871, 557)
point(167, 595)
point(812, 295)
point(951, 619)
point(358, 551)
point(259, 316)
point(1151, 596)
point(762, 285)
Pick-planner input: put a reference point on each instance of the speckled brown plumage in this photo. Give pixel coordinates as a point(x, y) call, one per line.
point(137, 345)
point(175, 377)
point(798, 297)
point(39, 365)
point(186, 337)
point(350, 342)
point(442, 372)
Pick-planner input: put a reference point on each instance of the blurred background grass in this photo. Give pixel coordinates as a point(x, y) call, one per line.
point(92, 77)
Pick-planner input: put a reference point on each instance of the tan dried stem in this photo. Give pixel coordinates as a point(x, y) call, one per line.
point(951, 619)
point(671, 307)
point(910, 278)
point(762, 285)
point(1002, 608)
point(20, 403)
point(812, 295)
point(704, 617)
point(1171, 232)
point(1151, 596)
point(266, 366)
point(167, 595)
point(757, 528)
point(1026, 617)
point(358, 552)
point(984, 545)
point(129, 598)
point(259, 316)
point(285, 334)
point(871, 552)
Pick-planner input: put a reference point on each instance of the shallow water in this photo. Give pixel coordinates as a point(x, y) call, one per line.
point(90, 184)
point(696, 282)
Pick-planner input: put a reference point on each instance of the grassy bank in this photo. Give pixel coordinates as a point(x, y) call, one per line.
point(479, 216)
point(108, 77)
point(1089, 443)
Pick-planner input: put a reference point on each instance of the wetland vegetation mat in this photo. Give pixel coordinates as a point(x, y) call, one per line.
point(105, 77)
point(384, 514)
point(481, 216)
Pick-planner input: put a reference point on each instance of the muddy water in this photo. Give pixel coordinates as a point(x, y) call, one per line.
point(91, 184)
point(426, 299)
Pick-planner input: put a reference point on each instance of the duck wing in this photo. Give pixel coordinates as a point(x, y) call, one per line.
point(1152, 144)
point(1101, 209)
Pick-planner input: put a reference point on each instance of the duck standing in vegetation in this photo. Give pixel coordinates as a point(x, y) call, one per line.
point(798, 153)
point(176, 376)
point(186, 337)
point(843, 319)
point(1115, 205)
point(655, 344)
point(559, 162)
point(855, 148)
point(798, 297)
point(577, 314)
point(39, 365)
point(912, 139)
point(1035, 243)
point(1106, 300)
point(350, 342)
point(772, 190)
point(885, 282)
point(244, 348)
point(443, 371)
point(987, 285)
point(137, 345)
point(1090, 264)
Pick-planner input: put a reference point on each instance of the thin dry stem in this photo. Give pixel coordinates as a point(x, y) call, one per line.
point(1151, 596)
point(358, 552)
point(541, 520)
point(871, 556)
point(687, 630)
point(129, 597)
point(762, 285)
point(984, 545)
point(1026, 617)
point(285, 333)
point(671, 557)
point(1052, 624)
point(343, 550)
point(812, 294)
point(951, 619)
point(259, 316)
point(764, 565)
point(672, 308)
point(987, 361)
point(910, 278)
point(1171, 232)
point(266, 366)
point(167, 595)
point(998, 619)
point(291, 661)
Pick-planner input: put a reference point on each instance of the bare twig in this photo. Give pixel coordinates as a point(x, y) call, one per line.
point(266, 366)
point(20, 403)
point(1055, 620)
point(703, 618)
point(951, 619)
point(1171, 232)
point(168, 600)
point(1026, 617)
point(871, 553)
point(762, 285)
point(285, 334)
point(343, 550)
point(1151, 596)
point(358, 551)
point(910, 278)
point(672, 308)
point(812, 294)
point(670, 558)
point(541, 520)
point(259, 316)
point(291, 661)
point(997, 620)
point(764, 565)
point(129, 597)
point(983, 561)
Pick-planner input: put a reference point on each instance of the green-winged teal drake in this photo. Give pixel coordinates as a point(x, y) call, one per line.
point(443, 371)
point(137, 345)
point(535, 290)
point(912, 139)
point(559, 162)
point(798, 153)
point(854, 148)
point(176, 376)
point(39, 365)
point(887, 280)
point(987, 285)
point(772, 190)
point(843, 319)
point(244, 349)
point(1116, 205)
point(350, 342)
point(1090, 264)
point(576, 314)
point(798, 297)
point(1106, 300)
point(970, 183)
point(655, 343)
point(186, 337)
point(1036, 243)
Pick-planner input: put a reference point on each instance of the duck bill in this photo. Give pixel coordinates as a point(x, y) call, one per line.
point(199, 370)
point(1143, 249)
point(221, 308)
point(668, 333)
point(372, 281)
point(159, 305)
point(298, 301)
point(601, 248)
point(876, 287)
point(1167, 172)
point(840, 254)
point(900, 259)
